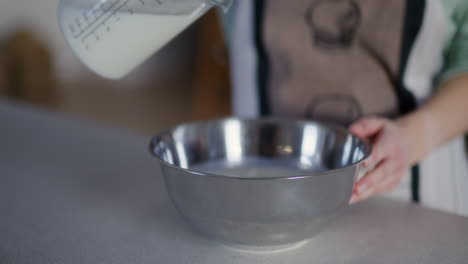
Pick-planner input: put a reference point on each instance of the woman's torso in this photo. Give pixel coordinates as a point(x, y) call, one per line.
point(338, 60)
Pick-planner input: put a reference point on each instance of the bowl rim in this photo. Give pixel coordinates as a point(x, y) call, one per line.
point(156, 139)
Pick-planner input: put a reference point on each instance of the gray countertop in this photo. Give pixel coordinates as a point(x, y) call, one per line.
point(74, 192)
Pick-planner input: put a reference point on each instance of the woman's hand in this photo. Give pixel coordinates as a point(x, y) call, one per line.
point(390, 158)
point(397, 145)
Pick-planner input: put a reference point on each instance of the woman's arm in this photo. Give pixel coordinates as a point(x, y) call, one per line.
point(441, 119)
point(402, 143)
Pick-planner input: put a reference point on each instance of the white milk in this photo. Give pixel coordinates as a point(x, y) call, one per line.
point(118, 42)
point(257, 168)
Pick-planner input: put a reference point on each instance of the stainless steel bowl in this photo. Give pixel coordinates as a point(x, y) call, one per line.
point(264, 183)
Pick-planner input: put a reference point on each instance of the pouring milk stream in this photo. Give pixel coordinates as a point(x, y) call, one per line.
point(113, 37)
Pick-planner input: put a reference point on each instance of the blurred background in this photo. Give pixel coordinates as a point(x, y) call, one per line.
point(187, 80)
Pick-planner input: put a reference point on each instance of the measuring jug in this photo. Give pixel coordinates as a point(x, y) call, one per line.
point(113, 37)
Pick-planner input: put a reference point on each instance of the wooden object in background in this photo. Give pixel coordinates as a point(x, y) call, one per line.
point(3, 84)
point(26, 70)
point(212, 95)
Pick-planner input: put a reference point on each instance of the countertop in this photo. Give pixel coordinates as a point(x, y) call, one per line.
point(76, 192)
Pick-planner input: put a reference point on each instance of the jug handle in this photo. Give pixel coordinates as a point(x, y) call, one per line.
point(224, 4)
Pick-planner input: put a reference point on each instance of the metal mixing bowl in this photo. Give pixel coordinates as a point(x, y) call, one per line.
point(263, 183)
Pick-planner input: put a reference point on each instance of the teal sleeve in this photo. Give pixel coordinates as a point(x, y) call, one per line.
point(456, 57)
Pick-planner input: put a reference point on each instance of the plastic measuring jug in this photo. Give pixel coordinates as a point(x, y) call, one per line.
point(113, 37)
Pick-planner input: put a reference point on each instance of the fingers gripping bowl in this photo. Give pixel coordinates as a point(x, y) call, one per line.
point(266, 183)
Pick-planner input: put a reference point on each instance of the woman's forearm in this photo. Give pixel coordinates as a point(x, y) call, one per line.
point(441, 119)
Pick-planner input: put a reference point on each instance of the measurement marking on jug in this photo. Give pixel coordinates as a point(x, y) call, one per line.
point(104, 21)
point(90, 23)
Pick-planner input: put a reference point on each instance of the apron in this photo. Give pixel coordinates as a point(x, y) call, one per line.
point(333, 60)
